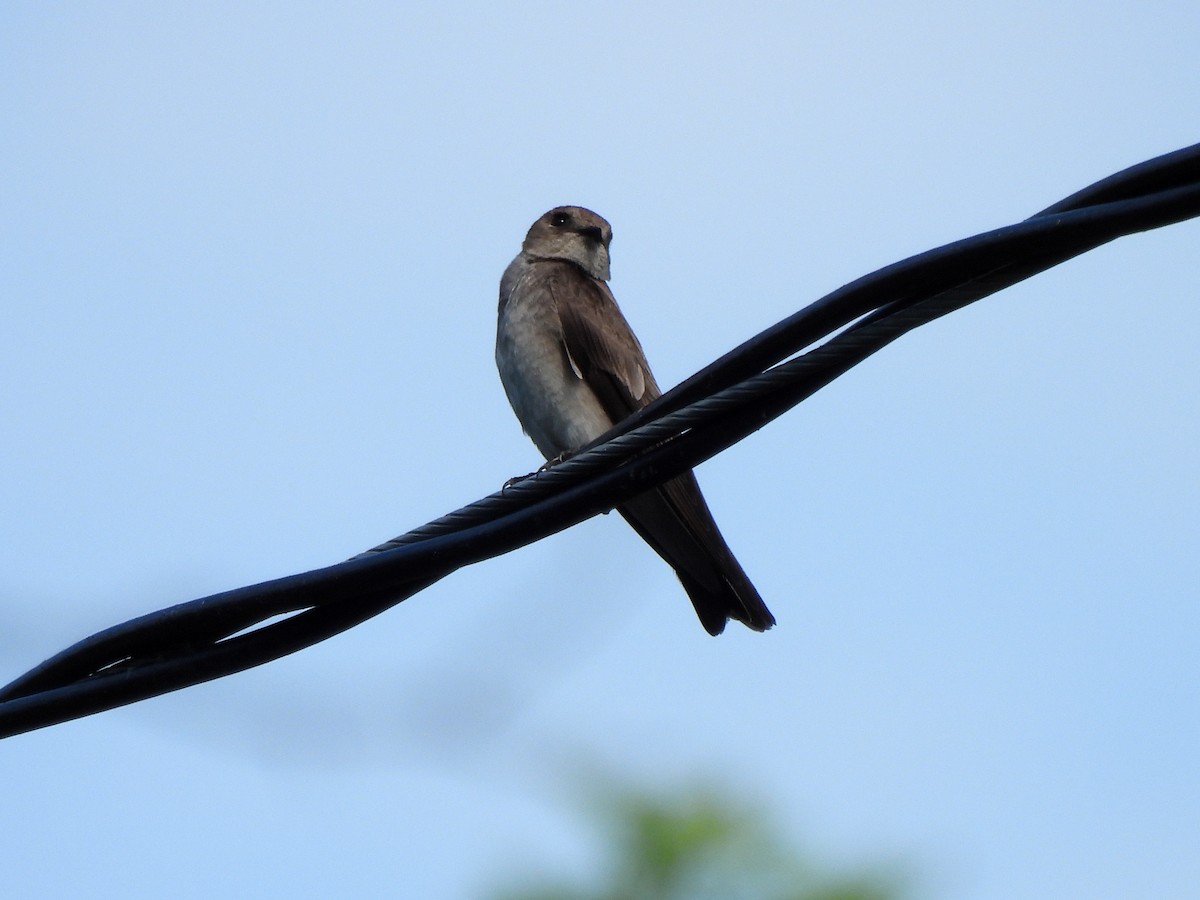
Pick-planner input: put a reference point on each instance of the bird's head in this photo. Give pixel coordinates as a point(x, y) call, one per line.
point(572, 233)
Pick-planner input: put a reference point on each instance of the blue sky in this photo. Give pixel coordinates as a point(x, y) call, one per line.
point(249, 256)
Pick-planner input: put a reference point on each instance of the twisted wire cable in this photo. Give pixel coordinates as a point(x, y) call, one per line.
point(736, 395)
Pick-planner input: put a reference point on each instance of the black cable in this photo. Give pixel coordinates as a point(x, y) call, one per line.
point(736, 395)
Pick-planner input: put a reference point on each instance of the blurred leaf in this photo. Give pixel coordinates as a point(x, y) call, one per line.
point(698, 845)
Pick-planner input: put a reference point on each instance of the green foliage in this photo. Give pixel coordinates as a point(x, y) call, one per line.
point(699, 846)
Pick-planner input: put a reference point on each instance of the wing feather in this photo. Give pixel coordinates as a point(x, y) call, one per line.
point(599, 343)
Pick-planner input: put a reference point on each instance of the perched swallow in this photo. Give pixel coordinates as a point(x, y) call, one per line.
point(572, 368)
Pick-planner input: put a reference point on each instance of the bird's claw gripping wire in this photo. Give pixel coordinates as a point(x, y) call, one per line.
point(544, 467)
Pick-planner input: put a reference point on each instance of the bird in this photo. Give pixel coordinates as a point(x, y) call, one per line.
point(572, 368)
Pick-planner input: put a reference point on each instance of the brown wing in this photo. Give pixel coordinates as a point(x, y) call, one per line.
point(601, 345)
point(673, 519)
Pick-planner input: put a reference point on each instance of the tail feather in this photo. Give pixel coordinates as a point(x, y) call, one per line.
point(676, 522)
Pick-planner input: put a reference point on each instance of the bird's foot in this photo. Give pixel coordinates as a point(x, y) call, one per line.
point(516, 479)
point(562, 457)
point(544, 467)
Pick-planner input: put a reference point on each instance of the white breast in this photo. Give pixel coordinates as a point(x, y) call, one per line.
point(554, 405)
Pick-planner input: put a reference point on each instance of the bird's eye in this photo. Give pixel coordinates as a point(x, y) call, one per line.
point(558, 220)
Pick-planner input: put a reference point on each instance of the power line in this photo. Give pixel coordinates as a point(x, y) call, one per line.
point(736, 395)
